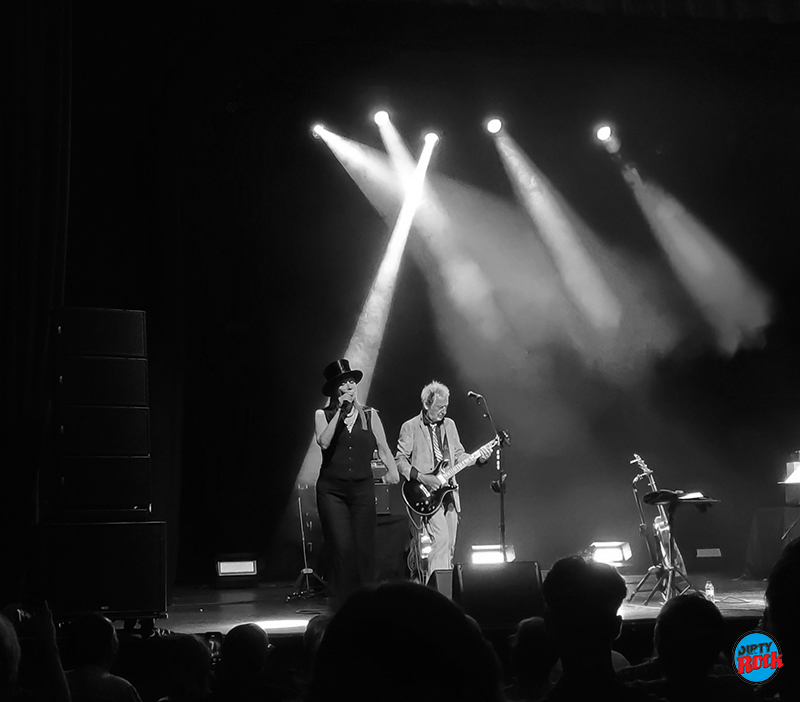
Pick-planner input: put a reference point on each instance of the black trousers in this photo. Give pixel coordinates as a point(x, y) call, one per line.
point(348, 519)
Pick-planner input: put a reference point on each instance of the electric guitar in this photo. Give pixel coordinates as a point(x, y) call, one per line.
point(425, 501)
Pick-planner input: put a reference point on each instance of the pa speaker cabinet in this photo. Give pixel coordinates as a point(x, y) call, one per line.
point(442, 581)
point(104, 431)
point(103, 483)
point(92, 380)
point(117, 568)
point(92, 331)
point(499, 595)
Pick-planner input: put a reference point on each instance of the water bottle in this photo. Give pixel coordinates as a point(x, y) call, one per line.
point(710, 591)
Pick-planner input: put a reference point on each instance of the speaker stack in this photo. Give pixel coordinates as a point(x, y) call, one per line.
point(101, 549)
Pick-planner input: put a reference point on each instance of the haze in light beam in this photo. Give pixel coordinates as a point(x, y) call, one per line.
point(461, 276)
point(556, 226)
point(736, 306)
point(365, 343)
point(369, 168)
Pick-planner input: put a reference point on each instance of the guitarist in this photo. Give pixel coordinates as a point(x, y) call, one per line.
point(425, 441)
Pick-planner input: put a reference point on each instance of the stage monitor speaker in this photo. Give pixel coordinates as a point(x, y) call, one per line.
point(499, 595)
point(116, 568)
point(442, 580)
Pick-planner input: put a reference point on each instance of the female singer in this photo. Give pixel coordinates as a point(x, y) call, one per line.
point(348, 434)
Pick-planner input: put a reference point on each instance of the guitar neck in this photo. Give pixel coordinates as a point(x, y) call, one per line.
point(465, 462)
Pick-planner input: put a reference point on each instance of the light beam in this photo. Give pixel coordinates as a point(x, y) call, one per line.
point(365, 342)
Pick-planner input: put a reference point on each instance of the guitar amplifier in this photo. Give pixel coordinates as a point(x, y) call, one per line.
point(383, 502)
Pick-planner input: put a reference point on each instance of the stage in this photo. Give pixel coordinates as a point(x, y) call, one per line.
point(200, 610)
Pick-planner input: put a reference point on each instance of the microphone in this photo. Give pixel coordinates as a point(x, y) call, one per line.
point(474, 395)
point(345, 407)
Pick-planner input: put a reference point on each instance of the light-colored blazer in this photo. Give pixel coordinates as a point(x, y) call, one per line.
point(414, 449)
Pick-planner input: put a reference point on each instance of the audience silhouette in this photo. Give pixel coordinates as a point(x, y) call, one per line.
point(188, 669)
point(10, 654)
point(782, 620)
point(96, 648)
point(242, 671)
point(582, 600)
point(31, 672)
point(532, 655)
point(404, 641)
point(688, 640)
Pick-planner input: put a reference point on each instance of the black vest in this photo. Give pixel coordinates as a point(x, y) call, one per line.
point(350, 453)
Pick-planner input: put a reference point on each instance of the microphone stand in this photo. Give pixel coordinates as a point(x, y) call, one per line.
point(499, 485)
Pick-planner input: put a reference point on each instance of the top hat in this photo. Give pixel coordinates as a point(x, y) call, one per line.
point(336, 372)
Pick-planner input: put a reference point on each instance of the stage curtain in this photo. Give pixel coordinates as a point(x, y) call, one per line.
point(34, 181)
point(765, 543)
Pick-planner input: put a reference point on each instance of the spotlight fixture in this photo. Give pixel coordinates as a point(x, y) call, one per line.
point(316, 131)
point(605, 135)
point(494, 125)
point(604, 132)
point(431, 138)
point(236, 570)
point(611, 552)
point(381, 117)
point(491, 553)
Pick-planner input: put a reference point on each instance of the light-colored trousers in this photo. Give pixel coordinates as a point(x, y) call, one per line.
point(442, 527)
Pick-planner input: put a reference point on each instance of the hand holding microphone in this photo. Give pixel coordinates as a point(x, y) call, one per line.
point(346, 400)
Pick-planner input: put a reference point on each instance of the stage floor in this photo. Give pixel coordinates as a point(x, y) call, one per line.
point(201, 610)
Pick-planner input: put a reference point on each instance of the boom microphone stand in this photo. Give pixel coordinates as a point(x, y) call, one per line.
point(499, 485)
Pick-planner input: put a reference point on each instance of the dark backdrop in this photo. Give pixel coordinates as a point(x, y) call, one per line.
point(196, 193)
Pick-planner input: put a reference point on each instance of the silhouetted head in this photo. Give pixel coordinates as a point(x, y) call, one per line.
point(404, 641)
point(533, 652)
point(244, 652)
point(582, 599)
point(312, 636)
point(689, 635)
point(9, 658)
point(189, 668)
point(782, 615)
point(95, 640)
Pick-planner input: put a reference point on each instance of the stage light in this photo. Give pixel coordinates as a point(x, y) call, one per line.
point(431, 138)
point(236, 570)
point(284, 626)
point(610, 552)
point(381, 117)
point(494, 125)
point(604, 132)
point(605, 135)
point(491, 553)
point(317, 130)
